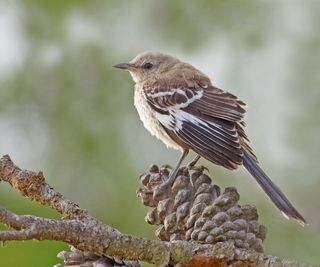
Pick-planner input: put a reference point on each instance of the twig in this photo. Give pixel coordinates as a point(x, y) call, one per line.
point(87, 233)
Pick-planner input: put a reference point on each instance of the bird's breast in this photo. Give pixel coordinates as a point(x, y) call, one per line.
point(149, 119)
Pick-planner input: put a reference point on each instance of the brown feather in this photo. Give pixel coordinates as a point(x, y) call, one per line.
point(215, 106)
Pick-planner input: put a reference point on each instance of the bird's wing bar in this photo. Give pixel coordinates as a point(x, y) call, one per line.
point(172, 98)
point(208, 101)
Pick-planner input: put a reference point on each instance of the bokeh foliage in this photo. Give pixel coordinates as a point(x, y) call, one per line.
point(66, 111)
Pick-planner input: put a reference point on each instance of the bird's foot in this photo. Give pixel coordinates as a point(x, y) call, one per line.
point(163, 190)
point(193, 162)
point(192, 165)
point(197, 168)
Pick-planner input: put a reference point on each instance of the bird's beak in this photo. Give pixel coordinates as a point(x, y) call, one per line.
point(124, 66)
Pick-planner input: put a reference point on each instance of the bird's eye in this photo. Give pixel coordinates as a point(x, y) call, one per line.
point(148, 65)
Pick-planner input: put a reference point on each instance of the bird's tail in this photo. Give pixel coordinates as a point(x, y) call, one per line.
point(273, 192)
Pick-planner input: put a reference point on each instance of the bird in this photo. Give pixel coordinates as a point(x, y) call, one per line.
point(179, 105)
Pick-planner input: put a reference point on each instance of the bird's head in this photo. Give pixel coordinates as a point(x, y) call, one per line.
point(148, 64)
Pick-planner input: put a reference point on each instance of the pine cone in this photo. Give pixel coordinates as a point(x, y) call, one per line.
point(78, 258)
point(194, 209)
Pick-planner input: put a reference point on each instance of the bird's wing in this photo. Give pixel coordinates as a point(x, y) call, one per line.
point(209, 101)
point(219, 104)
point(206, 119)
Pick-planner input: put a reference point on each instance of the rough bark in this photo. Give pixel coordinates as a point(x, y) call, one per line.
point(78, 228)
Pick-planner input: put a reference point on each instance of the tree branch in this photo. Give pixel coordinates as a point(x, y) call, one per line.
point(87, 233)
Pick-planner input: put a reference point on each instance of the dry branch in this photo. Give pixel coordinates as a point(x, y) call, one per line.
point(87, 233)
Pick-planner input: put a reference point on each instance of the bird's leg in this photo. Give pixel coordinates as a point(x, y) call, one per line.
point(163, 189)
point(191, 166)
point(192, 163)
point(174, 172)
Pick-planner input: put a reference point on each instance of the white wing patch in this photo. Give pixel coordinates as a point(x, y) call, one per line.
point(174, 99)
point(175, 119)
point(160, 94)
point(197, 95)
point(166, 120)
point(182, 116)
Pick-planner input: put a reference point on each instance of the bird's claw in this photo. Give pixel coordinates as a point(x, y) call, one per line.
point(199, 168)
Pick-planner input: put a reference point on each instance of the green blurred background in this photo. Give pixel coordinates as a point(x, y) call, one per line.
point(66, 111)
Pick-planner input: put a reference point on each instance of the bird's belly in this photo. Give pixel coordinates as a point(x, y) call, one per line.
point(150, 122)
